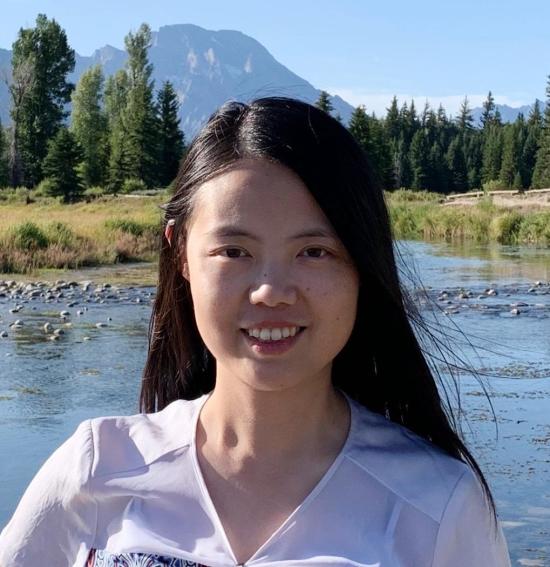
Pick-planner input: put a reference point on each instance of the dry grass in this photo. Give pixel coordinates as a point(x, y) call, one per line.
point(105, 231)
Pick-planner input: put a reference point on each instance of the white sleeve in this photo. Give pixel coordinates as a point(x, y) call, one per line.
point(468, 534)
point(55, 521)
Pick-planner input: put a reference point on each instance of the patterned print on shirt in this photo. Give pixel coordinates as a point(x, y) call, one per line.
point(102, 558)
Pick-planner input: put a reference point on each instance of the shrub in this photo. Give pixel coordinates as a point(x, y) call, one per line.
point(485, 203)
point(492, 185)
point(127, 226)
point(28, 236)
point(506, 227)
point(94, 192)
point(133, 185)
point(60, 234)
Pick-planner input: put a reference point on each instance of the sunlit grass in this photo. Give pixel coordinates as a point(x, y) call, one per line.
point(110, 230)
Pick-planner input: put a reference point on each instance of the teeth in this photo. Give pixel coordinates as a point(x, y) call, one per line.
point(273, 334)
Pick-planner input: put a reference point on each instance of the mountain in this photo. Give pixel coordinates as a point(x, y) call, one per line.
point(209, 67)
point(508, 113)
point(206, 68)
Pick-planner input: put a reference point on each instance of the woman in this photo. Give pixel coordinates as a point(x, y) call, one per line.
point(291, 417)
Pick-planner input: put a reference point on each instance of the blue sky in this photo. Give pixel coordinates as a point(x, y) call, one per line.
point(364, 50)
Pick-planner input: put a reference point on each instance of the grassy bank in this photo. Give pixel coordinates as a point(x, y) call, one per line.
point(47, 234)
point(110, 230)
point(421, 215)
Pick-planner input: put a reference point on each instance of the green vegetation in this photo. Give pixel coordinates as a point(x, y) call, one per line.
point(424, 218)
point(541, 173)
point(120, 135)
point(89, 126)
point(430, 151)
point(60, 167)
point(39, 91)
point(123, 139)
point(116, 229)
point(108, 230)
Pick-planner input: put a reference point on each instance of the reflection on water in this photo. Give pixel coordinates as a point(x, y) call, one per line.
point(470, 263)
point(48, 386)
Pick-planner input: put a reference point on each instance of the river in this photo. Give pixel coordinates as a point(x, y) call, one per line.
point(47, 387)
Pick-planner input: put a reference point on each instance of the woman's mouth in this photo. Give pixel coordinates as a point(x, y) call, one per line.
point(272, 341)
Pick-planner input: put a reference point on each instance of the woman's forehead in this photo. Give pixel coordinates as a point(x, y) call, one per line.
point(256, 193)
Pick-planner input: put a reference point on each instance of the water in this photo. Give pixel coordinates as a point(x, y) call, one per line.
point(47, 388)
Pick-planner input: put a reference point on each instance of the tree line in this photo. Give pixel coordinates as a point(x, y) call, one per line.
point(430, 151)
point(122, 136)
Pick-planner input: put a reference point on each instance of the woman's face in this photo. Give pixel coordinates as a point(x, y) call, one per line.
point(260, 254)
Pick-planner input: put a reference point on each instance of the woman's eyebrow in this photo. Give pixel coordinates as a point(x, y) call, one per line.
point(231, 231)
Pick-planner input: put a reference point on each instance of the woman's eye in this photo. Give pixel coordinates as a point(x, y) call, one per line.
point(317, 252)
point(312, 252)
point(232, 252)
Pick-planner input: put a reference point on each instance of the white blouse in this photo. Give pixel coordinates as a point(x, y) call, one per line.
point(131, 487)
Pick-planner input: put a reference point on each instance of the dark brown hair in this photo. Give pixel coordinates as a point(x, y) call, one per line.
point(383, 365)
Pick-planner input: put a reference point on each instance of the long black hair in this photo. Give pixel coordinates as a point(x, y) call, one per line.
point(383, 365)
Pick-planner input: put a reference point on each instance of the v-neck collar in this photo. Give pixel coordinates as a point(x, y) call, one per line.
point(296, 512)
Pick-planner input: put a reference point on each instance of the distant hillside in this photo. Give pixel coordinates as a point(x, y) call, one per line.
point(206, 67)
point(209, 67)
point(508, 113)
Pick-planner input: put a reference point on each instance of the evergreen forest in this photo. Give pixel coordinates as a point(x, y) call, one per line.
point(123, 133)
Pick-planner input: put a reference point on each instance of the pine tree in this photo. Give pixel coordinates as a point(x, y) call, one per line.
point(139, 116)
point(492, 153)
point(392, 122)
point(409, 121)
point(380, 151)
point(401, 165)
point(541, 173)
point(440, 174)
point(473, 151)
point(488, 113)
point(89, 125)
point(370, 134)
point(324, 103)
point(531, 146)
point(536, 119)
point(3, 158)
point(359, 127)
point(116, 95)
point(420, 160)
point(510, 156)
point(171, 138)
point(465, 120)
point(60, 166)
point(457, 165)
point(44, 52)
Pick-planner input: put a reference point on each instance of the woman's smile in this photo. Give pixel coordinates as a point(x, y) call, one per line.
point(274, 342)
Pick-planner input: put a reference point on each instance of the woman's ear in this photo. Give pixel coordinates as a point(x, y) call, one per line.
point(184, 266)
point(168, 232)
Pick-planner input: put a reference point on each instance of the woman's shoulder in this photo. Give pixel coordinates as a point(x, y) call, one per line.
point(411, 467)
point(127, 442)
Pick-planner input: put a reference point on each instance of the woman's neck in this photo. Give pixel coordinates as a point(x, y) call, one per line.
point(249, 427)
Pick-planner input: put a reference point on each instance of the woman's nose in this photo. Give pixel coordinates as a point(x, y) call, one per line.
point(272, 288)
